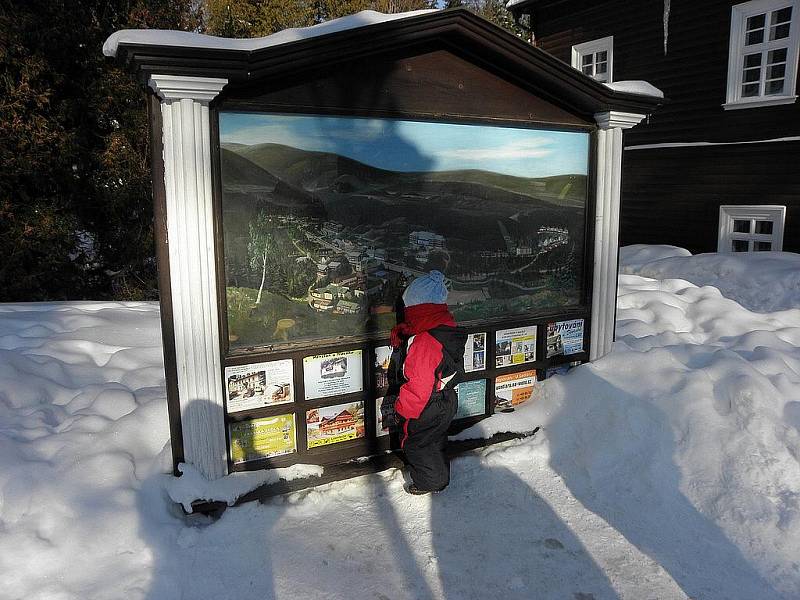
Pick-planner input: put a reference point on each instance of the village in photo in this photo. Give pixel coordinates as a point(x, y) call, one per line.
point(334, 424)
point(327, 219)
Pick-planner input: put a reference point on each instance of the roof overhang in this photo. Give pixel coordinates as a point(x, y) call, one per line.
point(456, 30)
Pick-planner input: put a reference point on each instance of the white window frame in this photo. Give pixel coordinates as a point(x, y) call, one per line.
point(736, 53)
point(592, 47)
point(752, 213)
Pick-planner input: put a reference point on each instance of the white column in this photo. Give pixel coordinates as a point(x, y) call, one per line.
point(608, 172)
point(190, 239)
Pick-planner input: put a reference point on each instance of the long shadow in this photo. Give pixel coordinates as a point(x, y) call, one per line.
point(495, 537)
point(658, 519)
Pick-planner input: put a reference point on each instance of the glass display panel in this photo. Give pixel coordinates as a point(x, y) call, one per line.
point(326, 219)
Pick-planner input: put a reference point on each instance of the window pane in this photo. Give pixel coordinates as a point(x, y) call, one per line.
point(587, 59)
point(741, 226)
point(783, 15)
point(754, 37)
point(749, 90)
point(751, 75)
point(602, 56)
point(602, 67)
point(776, 56)
point(776, 71)
point(762, 246)
point(779, 32)
point(756, 21)
point(740, 246)
point(764, 227)
point(587, 70)
point(752, 60)
point(774, 87)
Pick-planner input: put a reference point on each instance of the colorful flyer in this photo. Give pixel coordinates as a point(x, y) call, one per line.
point(515, 346)
point(259, 384)
point(262, 438)
point(513, 389)
point(334, 424)
point(471, 398)
point(564, 337)
point(333, 374)
point(382, 356)
point(379, 428)
point(562, 369)
point(475, 352)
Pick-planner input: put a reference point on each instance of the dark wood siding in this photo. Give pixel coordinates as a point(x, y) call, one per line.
point(692, 74)
point(672, 195)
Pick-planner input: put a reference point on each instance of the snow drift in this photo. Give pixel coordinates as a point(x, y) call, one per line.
point(668, 469)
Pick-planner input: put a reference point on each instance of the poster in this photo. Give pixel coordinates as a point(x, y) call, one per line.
point(513, 389)
point(379, 428)
point(262, 438)
point(334, 424)
point(382, 355)
point(475, 352)
point(332, 374)
point(564, 337)
point(324, 223)
point(562, 369)
point(471, 398)
point(515, 346)
point(259, 384)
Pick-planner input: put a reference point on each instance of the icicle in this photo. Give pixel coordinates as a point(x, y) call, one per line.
point(666, 25)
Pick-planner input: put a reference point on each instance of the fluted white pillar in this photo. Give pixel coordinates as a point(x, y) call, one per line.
point(608, 170)
point(190, 235)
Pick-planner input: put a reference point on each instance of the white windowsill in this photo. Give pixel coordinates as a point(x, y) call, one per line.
point(777, 100)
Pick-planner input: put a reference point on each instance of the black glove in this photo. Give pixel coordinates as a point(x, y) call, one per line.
point(389, 416)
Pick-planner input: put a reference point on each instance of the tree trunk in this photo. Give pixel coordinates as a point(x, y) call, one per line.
point(263, 277)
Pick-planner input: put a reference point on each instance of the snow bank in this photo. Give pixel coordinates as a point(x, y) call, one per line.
point(760, 281)
point(668, 469)
point(163, 37)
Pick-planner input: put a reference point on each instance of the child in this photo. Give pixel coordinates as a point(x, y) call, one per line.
point(429, 354)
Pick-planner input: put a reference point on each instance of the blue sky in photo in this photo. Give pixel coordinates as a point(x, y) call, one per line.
point(417, 146)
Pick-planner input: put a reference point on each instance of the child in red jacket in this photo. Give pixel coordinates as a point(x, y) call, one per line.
point(429, 353)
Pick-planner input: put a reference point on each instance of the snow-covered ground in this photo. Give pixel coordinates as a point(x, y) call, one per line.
point(668, 469)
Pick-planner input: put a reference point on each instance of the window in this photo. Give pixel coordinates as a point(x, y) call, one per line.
point(751, 228)
point(595, 58)
point(762, 59)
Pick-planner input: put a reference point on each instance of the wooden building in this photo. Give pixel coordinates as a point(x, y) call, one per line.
point(718, 167)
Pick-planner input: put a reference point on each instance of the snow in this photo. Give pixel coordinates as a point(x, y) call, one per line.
point(667, 469)
point(635, 86)
point(164, 37)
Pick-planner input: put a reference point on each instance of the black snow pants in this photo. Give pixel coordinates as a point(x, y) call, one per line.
point(425, 441)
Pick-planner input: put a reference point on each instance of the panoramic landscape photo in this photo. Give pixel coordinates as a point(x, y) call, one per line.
point(327, 219)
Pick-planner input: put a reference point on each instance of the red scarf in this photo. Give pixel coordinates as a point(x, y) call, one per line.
point(419, 318)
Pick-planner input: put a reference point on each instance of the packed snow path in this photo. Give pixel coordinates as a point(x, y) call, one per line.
point(669, 469)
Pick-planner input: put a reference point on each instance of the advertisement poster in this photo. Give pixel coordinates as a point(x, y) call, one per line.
point(471, 398)
point(334, 424)
point(379, 428)
point(259, 385)
point(562, 369)
point(515, 346)
point(262, 438)
point(382, 355)
point(475, 352)
point(513, 389)
point(333, 374)
point(564, 337)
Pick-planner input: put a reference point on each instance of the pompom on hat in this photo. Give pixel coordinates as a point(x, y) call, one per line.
point(427, 289)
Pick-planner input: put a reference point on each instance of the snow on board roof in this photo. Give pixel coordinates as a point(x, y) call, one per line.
point(636, 86)
point(165, 37)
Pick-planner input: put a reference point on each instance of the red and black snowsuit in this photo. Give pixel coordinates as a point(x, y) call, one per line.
point(429, 356)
